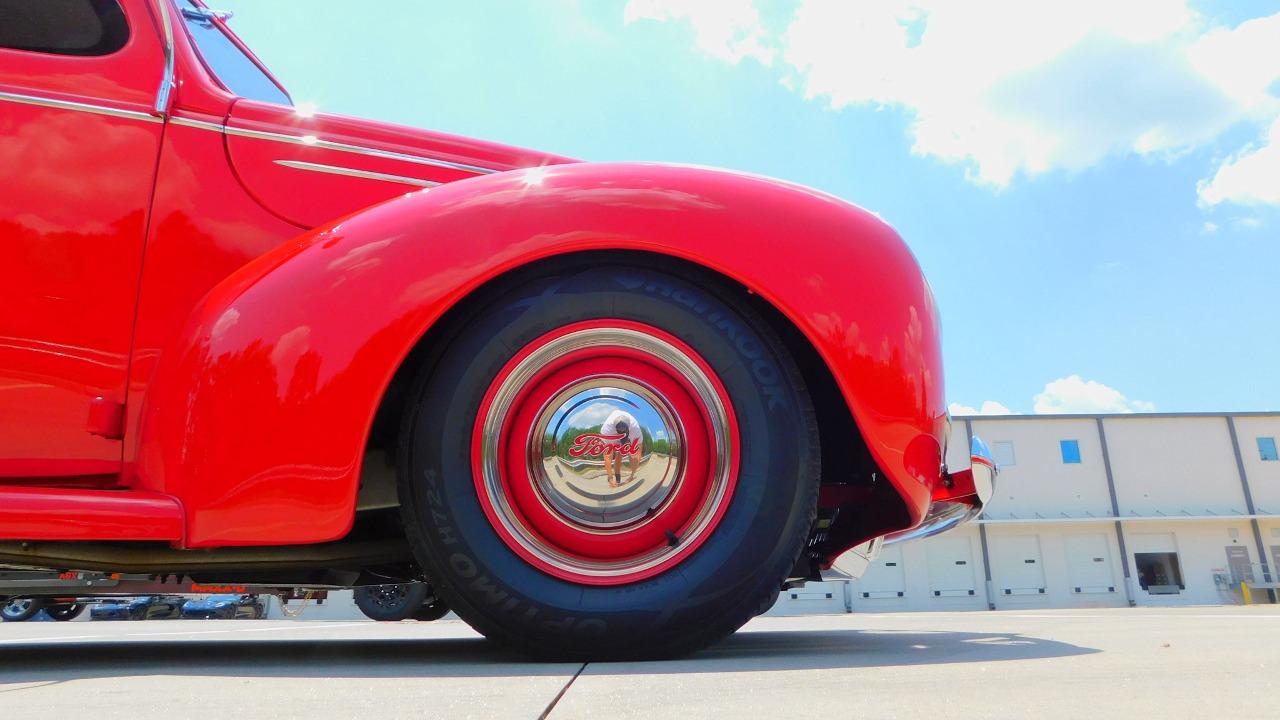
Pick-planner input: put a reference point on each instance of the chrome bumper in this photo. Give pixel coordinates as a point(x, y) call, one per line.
point(945, 515)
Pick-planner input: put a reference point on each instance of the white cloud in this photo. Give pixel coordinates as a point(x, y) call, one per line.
point(1011, 87)
point(1072, 394)
point(989, 407)
point(729, 30)
point(593, 414)
point(1209, 228)
point(1251, 177)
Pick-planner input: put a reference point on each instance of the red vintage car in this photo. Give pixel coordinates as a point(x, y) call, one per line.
point(605, 409)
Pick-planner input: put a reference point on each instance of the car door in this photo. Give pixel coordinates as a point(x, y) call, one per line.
point(78, 145)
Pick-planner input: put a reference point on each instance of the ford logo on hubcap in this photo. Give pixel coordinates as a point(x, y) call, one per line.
point(605, 453)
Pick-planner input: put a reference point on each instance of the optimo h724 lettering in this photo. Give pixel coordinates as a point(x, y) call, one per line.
point(605, 410)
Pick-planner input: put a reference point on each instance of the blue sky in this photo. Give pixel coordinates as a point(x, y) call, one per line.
point(1093, 192)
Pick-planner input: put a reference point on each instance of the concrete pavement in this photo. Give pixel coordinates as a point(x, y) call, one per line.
point(1183, 662)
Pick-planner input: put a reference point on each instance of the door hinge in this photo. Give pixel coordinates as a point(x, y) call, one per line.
point(106, 418)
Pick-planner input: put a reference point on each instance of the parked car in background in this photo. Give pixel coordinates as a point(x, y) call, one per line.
point(225, 607)
point(150, 607)
point(21, 609)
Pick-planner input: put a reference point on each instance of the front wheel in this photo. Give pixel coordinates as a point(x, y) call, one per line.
point(610, 463)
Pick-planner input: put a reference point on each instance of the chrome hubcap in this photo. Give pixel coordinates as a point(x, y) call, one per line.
point(606, 453)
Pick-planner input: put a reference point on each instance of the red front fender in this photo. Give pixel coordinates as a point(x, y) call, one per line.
point(258, 416)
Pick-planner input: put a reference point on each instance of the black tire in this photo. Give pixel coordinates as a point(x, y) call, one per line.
point(65, 612)
point(390, 603)
point(21, 609)
point(734, 573)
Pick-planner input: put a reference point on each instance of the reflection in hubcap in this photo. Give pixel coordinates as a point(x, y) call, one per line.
point(606, 453)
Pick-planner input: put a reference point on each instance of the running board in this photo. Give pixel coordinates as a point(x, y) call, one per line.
point(161, 559)
point(44, 513)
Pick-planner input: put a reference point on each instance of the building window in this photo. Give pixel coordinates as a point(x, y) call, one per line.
point(1267, 448)
point(1159, 573)
point(1002, 453)
point(1070, 451)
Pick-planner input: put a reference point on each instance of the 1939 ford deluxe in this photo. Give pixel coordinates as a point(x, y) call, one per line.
point(604, 409)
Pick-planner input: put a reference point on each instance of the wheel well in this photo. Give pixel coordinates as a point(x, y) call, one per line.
point(847, 465)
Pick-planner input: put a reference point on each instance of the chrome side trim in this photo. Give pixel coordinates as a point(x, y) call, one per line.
point(165, 91)
point(198, 124)
point(368, 174)
point(313, 141)
point(77, 106)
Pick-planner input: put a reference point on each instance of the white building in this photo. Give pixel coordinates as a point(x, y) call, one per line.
point(1092, 510)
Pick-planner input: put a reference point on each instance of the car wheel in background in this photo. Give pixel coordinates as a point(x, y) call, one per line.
point(20, 609)
point(65, 611)
point(528, 530)
point(390, 603)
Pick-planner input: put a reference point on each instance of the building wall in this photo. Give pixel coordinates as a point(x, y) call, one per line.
point(1264, 477)
point(1051, 539)
point(1202, 554)
point(1039, 483)
point(1174, 466)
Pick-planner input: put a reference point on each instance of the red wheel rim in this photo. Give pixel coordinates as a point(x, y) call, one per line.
point(605, 452)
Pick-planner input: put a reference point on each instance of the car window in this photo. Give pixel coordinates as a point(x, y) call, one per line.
point(232, 67)
point(63, 27)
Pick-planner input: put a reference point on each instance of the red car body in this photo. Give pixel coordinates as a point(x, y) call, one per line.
point(207, 298)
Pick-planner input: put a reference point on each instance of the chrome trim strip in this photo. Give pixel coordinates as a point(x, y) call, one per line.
point(313, 141)
point(77, 106)
point(165, 91)
point(198, 124)
point(368, 174)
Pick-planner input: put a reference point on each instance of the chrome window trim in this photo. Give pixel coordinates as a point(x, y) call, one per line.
point(165, 92)
point(77, 106)
point(313, 141)
point(352, 172)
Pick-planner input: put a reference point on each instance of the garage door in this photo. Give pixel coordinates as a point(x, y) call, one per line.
point(884, 579)
point(1155, 558)
point(951, 567)
point(1089, 563)
point(1021, 569)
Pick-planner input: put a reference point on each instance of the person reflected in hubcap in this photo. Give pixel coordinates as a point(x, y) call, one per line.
point(628, 445)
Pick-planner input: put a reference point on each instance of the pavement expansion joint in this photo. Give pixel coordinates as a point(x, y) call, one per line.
point(552, 705)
